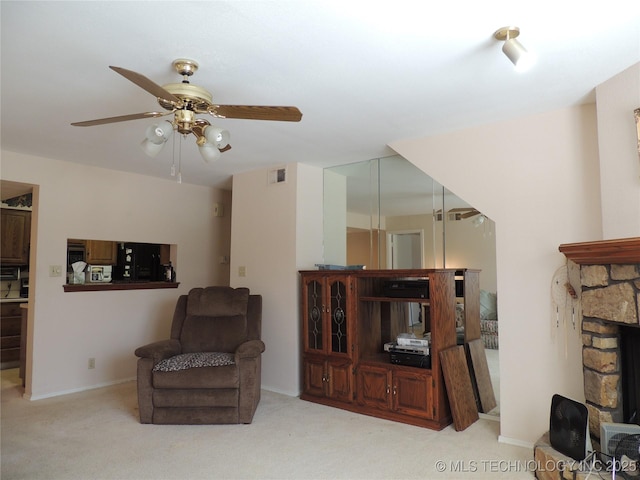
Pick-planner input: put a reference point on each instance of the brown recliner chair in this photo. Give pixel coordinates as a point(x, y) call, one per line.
point(209, 370)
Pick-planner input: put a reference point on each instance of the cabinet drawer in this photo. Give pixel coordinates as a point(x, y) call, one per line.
point(10, 342)
point(10, 310)
point(10, 355)
point(10, 326)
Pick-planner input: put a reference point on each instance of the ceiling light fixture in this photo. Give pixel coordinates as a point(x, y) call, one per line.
point(479, 220)
point(155, 137)
point(185, 100)
point(513, 49)
point(211, 140)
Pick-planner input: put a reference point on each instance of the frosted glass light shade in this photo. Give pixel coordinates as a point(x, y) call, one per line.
point(209, 152)
point(160, 132)
point(150, 148)
point(217, 136)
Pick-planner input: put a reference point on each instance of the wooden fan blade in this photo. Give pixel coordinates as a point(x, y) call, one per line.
point(148, 85)
point(253, 112)
point(121, 118)
point(461, 209)
point(228, 147)
point(470, 214)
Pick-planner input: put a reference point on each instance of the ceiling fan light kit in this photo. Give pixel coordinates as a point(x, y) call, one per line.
point(160, 132)
point(210, 153)
point(217, 136)
point(150, 148)
point(185, 101)
point(513, 49)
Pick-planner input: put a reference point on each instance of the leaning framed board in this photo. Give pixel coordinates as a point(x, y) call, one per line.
point(480, 375)
point(459, 387)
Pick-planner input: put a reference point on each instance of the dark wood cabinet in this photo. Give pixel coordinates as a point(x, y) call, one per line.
point(10, 328)
point(361, 377)
point(15, 231)
point(328, 341)
point(328, 378)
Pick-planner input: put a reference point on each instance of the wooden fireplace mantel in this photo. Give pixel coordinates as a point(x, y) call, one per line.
point(624, 250)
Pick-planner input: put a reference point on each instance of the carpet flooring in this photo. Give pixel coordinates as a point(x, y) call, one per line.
point(96, 435)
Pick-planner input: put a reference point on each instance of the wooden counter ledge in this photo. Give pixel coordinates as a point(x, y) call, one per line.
point(102, 287)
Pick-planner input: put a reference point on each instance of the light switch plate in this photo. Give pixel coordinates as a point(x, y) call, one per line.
point(218, 210)
point(55, 270)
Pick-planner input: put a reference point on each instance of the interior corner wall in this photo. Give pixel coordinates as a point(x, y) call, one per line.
point(617, 98)
point(276, 230)
point(537, 178)
point(78, 201)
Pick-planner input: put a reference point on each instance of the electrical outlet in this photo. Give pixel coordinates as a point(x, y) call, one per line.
point(55, 270)
point(92, 363)
point(242, 271)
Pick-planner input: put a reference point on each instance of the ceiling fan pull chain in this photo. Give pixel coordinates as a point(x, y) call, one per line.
point(180, 160)
point(173, 157)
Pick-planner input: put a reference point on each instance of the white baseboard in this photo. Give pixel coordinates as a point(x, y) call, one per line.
point(515, 442)
point(76, 390)
point(485, 416)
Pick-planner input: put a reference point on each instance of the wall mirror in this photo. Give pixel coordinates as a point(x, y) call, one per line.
point(386, 213)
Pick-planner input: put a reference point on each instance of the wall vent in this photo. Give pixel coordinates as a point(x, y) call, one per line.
point(278, 175)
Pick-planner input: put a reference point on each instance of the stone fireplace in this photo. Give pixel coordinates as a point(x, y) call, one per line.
point(610, 300)
point(609, 273)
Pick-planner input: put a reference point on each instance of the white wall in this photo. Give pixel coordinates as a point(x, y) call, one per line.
point(276, 230)
point(335, 218)
point(75, 201)
point(617, 98)
point(537, 178)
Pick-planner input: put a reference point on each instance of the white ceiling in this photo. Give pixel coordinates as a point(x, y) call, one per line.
point(364, 74)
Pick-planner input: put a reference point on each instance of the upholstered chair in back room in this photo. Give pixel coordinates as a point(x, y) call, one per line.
point(209, 370)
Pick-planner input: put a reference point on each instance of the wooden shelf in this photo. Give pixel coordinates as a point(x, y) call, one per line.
point(624, 250)
point(424, 301)
point(106, 287)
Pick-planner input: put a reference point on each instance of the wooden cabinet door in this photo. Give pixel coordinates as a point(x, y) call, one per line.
point(326, 378)
point(314, 377)
point(413, 393)
point(101, 252)
point(16, 230)
point(374, 386)
point(340, 381)
point(327, 336)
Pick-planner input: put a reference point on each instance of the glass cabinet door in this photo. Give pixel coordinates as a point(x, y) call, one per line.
point(315, 314)
point(338, 317)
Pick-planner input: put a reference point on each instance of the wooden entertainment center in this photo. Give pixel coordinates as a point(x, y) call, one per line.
point(347, 317)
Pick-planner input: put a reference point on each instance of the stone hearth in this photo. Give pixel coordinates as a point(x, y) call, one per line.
point(610, 299)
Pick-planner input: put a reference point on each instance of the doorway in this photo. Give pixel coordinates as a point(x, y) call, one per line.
point(404, 249)
point(23, 196)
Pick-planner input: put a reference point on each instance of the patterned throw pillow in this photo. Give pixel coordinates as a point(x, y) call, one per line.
point(194, 360)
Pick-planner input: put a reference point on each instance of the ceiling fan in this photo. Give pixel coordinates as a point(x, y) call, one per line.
point(465, 212)
point(185, 101)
